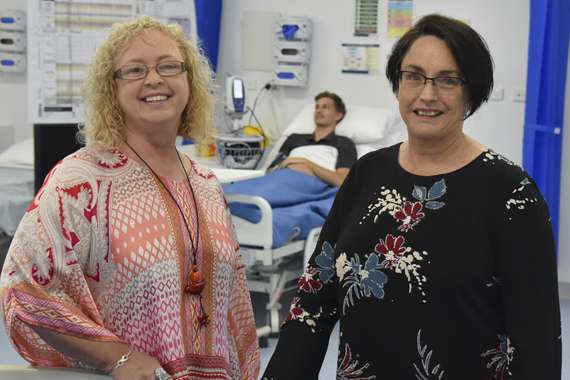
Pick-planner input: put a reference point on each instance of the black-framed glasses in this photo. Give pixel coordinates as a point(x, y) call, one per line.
point(415, 80)
point(140, 70)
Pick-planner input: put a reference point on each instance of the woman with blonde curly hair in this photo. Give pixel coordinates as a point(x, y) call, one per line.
point(126, 261)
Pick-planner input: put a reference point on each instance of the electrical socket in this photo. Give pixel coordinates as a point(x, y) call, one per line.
point(518, 94)
point(251, 84)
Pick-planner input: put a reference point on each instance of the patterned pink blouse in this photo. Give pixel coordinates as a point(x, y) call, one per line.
point(103, 254)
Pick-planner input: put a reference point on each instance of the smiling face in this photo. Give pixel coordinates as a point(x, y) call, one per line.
point(432, 113)
point(154, 103)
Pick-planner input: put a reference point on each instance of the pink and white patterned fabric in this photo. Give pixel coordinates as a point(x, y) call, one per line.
point(103, 253)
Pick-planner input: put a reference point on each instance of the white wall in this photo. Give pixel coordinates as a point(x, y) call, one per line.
point(504, 24)
point(13, 98)
point(563, 235)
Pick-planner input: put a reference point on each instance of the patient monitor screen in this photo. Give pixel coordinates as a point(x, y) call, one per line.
point(238, 89)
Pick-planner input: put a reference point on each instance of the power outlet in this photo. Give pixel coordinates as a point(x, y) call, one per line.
point(251, 84)
point(519, 95)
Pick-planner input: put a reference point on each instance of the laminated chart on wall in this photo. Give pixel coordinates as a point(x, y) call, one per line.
point(366, 17)
point(360, 58)
point(62, 38)
point(399, 17)
point(181, 12)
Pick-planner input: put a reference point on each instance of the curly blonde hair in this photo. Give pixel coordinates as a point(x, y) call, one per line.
point(104, 117)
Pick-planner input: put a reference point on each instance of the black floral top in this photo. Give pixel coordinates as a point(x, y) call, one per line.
point(432, 277)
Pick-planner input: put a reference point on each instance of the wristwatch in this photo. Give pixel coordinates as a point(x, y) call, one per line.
point(161, 374)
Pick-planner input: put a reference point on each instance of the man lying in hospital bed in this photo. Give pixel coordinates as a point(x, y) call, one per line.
point(298, 202)
point(304, 178)
point(322, 153)
point(272, 240)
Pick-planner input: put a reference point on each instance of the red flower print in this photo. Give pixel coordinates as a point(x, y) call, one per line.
point(295, 312)
point(409, 215)
point(392, 248)
point(394, 245)
point(308, 283)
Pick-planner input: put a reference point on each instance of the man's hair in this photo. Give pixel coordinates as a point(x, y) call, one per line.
point(467, 47)
point(104, 118)
point(338, 103)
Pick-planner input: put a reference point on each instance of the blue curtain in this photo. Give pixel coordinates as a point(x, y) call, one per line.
point(208, 19)
point(546, 83)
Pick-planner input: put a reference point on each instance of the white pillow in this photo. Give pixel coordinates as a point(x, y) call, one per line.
point(395, 135)
point(361, 124)
point(19, 155)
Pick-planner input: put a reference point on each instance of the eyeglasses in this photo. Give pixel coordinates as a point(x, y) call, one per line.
point(415, 80)
point(140, 70)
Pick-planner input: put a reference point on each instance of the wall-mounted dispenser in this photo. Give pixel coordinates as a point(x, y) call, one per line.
point(12, 41)
point(292, 51)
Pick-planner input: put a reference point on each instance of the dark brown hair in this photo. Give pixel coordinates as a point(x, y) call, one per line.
point(338, 103)
point(467, 47)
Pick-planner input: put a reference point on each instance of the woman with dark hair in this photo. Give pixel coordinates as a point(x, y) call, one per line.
point(438, 257)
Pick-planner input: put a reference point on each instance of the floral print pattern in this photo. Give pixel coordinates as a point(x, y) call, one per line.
point(392, 249)
point(409, 215)
point(500, 358)
point(363, 277)
point(362, 280)
point(402, 259)
point(431, 196)
point(296, 312)
point(493, 157)
point(326, 263)
point(518, 200)
point(406, 212)
point(426, 370)
point(348, 367)
point(308, 282)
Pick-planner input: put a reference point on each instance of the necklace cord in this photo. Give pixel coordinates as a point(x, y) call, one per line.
point(204, 316)
point(194, 248)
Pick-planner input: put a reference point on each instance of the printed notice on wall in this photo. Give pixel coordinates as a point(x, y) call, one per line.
point(366, 18)
point(63, 36)
point(360, 58)
point(399, 17)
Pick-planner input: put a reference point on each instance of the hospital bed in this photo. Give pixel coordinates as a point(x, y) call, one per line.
point(272, 269)
point(16, 184)
point(16, 189)
point(17, 181)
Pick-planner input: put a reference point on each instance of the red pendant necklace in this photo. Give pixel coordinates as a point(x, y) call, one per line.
point(196, 281)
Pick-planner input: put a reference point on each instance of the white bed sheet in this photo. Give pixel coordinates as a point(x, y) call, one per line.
point(17, 182)
point(16, 193)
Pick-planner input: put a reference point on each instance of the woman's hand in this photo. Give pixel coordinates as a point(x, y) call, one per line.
point(140, 366)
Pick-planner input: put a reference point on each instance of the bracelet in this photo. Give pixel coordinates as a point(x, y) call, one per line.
point(122, 360)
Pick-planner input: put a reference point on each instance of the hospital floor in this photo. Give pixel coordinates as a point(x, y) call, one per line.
point(9, 356)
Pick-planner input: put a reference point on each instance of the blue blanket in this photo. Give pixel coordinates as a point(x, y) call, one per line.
point(300, 202)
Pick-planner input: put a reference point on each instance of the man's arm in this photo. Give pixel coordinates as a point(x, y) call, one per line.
point(332, 177)
point(283, 152)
